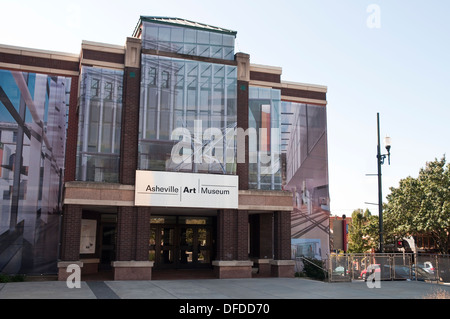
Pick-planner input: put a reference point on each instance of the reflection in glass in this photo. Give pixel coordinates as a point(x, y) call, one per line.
point(265, 155)
point(177, 39)
point(99, 125)
point(185, 94)
point(33, 124)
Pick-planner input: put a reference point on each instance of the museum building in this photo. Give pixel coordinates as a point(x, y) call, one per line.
point(170, 152)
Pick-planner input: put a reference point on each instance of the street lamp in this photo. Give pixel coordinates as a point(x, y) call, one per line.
point(380, 161)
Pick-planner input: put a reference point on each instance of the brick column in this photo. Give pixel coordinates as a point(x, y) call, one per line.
point(282, 265)
point(243, 79)
point(70, 240)
point(130, 113)
point(282, 235)
point(232, 248)
point(126, 234)
point(226, 224)
point(143, 233)
point(72, 133)
point(242, 235)
point(71, 227)
point(133, 233)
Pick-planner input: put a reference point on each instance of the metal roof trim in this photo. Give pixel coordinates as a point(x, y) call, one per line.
point(186, 23)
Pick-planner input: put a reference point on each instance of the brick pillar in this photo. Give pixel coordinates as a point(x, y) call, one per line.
point(133, 233)
point(226, 243)
point(243, 79)
point(130, 113)
point(282, 265)
point(126, 234)
point(282, 235)
point(72, 134)
point(232, 247)
point(143, 233)
point(71, 228)
point(70, 240)
point(130, 126)
point(242, 235)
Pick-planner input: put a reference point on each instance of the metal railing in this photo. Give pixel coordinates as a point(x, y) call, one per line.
point(393, 266)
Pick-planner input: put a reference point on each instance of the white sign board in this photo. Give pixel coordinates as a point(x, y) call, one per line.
point(87, 236)
point(173, 189)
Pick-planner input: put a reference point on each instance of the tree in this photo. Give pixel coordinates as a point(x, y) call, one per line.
point(421, 205)
point(362, 232)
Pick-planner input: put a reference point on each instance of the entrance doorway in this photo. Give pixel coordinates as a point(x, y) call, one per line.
point(108, 247)
point(179, 242)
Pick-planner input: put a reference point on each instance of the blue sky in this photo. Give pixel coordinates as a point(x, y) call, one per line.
point(400, 70)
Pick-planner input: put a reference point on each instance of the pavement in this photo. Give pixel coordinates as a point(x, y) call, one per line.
point(224, 289)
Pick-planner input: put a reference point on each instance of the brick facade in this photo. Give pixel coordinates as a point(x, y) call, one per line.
point(70, 237)
point(232, 226)
point(133, 233)
point(242, 169)
point(130, 126)
point(282, 235)
point(72, 133)
point(126, 234)
point(269, 229)
point(103, 56)
point(143, 215)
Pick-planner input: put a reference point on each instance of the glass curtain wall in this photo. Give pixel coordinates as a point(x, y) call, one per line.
point(187, 116)
point(308, 128)
point(33, 122)
point(99, 126)
point(189, 41)
point(265, 153)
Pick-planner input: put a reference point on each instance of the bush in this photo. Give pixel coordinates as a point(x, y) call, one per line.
point(313, 268)
point(11, 278)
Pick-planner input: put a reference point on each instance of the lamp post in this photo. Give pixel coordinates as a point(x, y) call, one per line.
point(380, 160)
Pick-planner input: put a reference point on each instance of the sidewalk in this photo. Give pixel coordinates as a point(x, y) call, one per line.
point(260, 288)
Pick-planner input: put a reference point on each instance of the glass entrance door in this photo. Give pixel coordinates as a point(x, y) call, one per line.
point(194, 247)
point(181, 246)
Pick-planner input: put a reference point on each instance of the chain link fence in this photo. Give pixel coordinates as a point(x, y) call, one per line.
point(394, 266)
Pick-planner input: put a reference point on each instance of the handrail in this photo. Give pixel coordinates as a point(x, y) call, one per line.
point(313, 264)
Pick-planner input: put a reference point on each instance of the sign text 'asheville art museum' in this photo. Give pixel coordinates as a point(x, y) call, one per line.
point(172, 189)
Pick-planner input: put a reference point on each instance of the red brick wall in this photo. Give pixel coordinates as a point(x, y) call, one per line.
point(35, 61)
point(282, 235)
point(71, 228)
point(232, 235)
point(72, 133)
point(267, 77)
point(130, 126)
point(133, 233)
point(103, 56)
point(304, 94)
point(142, 233)
point(242, 122)
point(126, 234)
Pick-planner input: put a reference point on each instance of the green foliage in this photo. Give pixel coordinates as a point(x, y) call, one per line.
point(363, 232)
point(421, 205)
point(313, 268)
point(11, 278)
